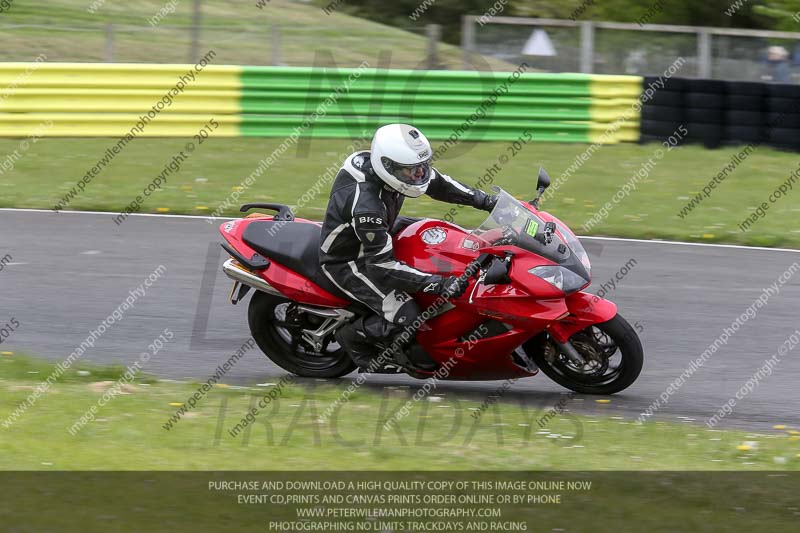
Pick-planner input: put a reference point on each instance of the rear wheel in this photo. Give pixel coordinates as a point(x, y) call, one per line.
point(277, 325)
point(612, 351)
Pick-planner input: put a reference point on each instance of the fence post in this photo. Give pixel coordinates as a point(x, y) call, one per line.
point(276, 45)
point(704, 53)
point(196, 23)
point(467, 39)
point(109, 42)
point(434, 32)
point(587, 47)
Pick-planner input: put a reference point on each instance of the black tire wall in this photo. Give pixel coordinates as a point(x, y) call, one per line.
point(716, 112)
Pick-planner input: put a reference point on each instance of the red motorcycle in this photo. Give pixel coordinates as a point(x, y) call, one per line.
point(524, 309)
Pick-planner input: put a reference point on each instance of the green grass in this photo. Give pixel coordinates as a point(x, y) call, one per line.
point(128, 432)
point(43, 174)
point(239, 32)
point(128, 436)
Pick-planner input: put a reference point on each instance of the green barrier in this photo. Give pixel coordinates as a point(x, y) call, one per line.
point(470, 106)
point(414, 81)
point(95, 100)
point(341, 126)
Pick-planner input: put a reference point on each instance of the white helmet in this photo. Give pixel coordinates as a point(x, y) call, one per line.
point(401, 157)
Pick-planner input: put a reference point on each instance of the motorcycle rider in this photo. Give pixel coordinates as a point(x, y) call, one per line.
point(356, 243)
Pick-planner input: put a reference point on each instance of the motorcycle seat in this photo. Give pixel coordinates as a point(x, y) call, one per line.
point(295, 245)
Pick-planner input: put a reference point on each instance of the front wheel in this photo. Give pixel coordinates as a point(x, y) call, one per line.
point(612, 351)
point(278, 327)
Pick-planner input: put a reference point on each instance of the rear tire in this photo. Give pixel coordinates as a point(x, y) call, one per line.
point(628, 345)
point(283, 346)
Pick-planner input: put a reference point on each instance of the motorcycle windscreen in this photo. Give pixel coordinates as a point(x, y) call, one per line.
point(511, 223)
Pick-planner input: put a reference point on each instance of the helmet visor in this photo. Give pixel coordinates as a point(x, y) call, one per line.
point(416, 174)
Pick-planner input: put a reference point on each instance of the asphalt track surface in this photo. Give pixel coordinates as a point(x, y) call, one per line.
point(69, 271)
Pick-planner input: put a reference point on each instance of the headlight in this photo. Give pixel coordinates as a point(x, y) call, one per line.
point(561, 278)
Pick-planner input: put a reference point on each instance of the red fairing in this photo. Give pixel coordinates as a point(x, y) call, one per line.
point(233, 230)
point(299, 288)
point(292, 285)
point(585, 310)
point(473, 359)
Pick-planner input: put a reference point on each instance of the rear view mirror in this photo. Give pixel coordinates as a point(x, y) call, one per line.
point(544, 179)
point(542, 183)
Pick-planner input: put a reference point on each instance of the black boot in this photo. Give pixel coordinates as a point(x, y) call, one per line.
point(370, 342)
point(378, 346)
point(353, 339)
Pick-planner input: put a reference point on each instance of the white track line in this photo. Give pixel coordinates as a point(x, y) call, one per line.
point(15, 209)
point(222, 219)
point(711, 244)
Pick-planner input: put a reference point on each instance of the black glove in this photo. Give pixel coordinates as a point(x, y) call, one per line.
point(449, 287)
point(488, 202)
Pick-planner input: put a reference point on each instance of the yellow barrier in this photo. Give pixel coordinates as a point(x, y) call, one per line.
point(117, 76)
point(98, 100)
point(111, 125)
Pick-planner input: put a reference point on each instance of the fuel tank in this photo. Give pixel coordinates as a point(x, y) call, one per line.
point(436, 246)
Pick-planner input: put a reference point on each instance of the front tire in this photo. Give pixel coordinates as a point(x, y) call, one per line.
point(613, 347)
point(277, 331)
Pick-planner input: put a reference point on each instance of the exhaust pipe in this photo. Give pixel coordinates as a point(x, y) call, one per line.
point(234, 271)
